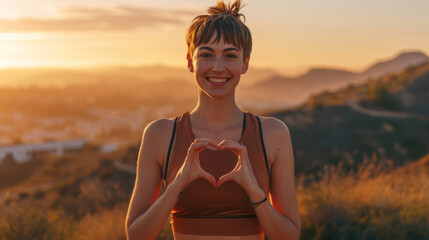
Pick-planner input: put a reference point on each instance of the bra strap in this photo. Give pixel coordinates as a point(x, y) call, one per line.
point(169, 148)
point(263, 145)
point(244, 123)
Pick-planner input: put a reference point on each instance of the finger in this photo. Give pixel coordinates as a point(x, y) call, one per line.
point(196, 148)
point(226, 143)
point(207, 140)
point(208, 177)
point(225, 178)
point(234, 146)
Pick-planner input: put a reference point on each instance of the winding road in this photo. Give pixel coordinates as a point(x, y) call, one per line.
point(386, 114)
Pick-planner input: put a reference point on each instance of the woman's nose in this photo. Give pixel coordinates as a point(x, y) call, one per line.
point(218, 64)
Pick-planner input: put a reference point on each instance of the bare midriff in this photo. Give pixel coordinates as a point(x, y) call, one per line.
point(180, 236)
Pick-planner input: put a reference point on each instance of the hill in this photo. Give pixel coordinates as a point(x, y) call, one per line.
point(401, 61)
point(344, 126)
point(81, 195)
point(295, 90)
point(57, 180)
point(403, 91)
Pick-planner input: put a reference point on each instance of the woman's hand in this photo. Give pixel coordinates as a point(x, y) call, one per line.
point(191, 168)
point(242, 174)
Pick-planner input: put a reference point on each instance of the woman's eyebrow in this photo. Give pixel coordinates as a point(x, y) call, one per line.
point(206, 48)
point(231, 49)
point(225, 50)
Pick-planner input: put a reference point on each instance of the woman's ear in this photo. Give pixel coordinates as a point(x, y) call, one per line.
point(245, 65)
point(190, 65)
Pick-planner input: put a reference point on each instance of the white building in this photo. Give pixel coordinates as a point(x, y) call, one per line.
point(24, 152)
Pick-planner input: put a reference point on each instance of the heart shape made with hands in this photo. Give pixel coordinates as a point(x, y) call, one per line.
point(221, 161)
point(218, 163)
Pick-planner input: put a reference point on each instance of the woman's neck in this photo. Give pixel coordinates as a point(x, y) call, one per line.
point(216, 113)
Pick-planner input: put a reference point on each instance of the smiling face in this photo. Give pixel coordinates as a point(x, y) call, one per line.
point(217, 67)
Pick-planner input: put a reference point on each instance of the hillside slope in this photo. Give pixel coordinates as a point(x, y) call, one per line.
point(376, 202)
point(325, 130)
point(404, 91)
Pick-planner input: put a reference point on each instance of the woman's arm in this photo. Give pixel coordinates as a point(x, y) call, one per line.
point(281, 219)
point(147, 214)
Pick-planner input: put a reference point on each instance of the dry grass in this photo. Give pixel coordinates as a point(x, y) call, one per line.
point(376, 202)
point(32, 223)
point(106, 225)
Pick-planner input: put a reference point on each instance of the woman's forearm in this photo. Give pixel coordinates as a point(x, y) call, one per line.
point(275, 225)
point(150, 223)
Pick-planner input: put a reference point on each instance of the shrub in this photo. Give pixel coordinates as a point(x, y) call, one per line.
point(105, 173)
point(109, 224)
point(23, 195)
point(380, 96)
point(35, 224)
point(38, 194)
point(62, 188)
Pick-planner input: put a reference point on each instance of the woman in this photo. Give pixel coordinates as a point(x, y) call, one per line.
point(219, 164)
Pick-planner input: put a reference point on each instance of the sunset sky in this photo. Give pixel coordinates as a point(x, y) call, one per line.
point(288, 35)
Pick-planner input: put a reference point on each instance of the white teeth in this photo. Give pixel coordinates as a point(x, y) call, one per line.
point(219, 80)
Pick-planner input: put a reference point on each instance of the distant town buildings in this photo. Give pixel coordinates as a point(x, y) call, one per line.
point(24, 152)
point(23, 135)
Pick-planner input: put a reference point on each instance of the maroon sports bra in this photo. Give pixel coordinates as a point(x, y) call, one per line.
point(203, 209)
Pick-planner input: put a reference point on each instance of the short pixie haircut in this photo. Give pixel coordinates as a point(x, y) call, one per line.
point(225, 20)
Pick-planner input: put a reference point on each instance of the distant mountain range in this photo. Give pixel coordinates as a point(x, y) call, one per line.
point(260, 88)
point(296, 89)
point(405, 92)
point(400, 62)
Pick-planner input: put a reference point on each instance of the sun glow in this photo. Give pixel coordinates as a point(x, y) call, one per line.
point(21, 36)
point(294, 36)
point(11, 46)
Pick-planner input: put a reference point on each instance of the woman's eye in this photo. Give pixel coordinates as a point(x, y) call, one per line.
point(205, 55)
point(230, 56)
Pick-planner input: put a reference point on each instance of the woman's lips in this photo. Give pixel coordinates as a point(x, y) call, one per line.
point(218, 82)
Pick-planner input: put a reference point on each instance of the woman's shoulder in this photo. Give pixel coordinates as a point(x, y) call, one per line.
point(276, 136)
point(156, 138)
point(273, 127)
point(159, 129)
